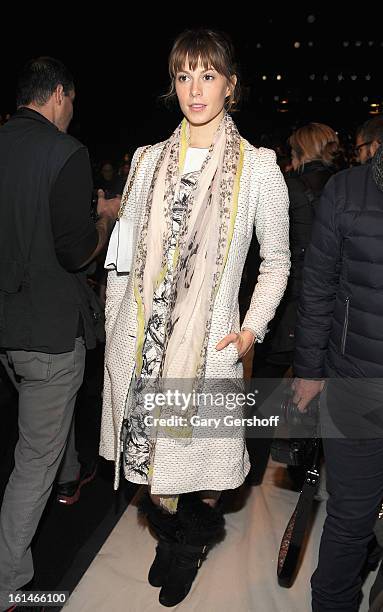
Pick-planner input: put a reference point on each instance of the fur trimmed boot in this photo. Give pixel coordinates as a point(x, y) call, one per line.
point(164, 526)
point(199, 527)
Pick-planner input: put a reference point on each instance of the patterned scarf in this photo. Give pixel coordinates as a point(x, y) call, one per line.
point(199, 259)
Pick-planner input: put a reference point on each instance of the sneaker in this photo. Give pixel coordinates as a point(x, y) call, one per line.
point(69, 492)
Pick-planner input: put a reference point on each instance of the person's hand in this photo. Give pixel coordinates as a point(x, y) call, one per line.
point(107, 208)
point(305, 391)
point(243, 341)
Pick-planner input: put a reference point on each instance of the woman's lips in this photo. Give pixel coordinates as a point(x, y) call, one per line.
point(197, 107)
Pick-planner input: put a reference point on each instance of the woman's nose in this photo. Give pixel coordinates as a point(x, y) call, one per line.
point(195, 89)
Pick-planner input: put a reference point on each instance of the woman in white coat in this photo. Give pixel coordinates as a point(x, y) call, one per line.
point(176, 259)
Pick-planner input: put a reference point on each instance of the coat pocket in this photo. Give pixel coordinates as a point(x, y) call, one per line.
point(232, 354)
point(345, 326)
point(11, 278)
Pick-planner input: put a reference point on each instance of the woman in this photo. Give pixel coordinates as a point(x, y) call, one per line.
point(314, 157)
point(191, 204)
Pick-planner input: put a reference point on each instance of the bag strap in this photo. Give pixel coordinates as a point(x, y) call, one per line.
point(128, 188)
point(293, 536)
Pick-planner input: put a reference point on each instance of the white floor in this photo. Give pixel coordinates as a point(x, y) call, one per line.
point(238, 576)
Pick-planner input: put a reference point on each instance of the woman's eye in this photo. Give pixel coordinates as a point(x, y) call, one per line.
point(182, 78)
point(209, 77)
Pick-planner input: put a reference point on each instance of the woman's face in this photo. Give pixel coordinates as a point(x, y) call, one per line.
point(201, 93)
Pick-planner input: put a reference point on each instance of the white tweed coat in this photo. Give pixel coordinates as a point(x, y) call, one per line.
point(204, 464)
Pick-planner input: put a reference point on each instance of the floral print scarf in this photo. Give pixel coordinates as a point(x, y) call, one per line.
point(199, 258)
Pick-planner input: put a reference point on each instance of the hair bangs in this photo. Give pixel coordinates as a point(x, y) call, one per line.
point(196, 51)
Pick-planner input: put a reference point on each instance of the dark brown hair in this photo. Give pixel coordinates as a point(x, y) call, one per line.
point(372, 129)
point(39, 78)
point(212, 49)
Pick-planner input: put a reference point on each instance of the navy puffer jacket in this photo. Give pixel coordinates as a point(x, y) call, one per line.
point(340, 314)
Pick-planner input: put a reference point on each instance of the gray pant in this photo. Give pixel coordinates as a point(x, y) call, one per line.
point(47, 394)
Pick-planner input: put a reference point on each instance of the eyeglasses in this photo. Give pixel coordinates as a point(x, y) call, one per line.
point(362, 144)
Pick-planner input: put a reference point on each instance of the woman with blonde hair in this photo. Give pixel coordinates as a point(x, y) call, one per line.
point(314, 142)
point(315, 153)
point(176, 259)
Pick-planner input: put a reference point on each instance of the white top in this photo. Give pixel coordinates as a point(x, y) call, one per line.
point(194, 159)
point(120, 250)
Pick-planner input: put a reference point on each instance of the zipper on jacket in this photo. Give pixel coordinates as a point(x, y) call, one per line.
point(345, 326)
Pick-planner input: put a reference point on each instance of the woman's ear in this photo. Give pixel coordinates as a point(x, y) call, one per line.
point(231, 85)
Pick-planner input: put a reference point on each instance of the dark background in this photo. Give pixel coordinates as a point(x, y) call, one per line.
point(118, 56)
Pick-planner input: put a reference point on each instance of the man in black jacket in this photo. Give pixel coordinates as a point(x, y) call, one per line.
point(46, 235)
point(339, 336)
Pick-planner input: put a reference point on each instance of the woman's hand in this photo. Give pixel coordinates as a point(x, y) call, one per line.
point(243, 341)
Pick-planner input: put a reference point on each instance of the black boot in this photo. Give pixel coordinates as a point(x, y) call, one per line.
point(200, 527)
point(164, 526)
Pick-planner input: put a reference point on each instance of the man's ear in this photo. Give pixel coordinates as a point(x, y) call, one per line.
point(59, 94)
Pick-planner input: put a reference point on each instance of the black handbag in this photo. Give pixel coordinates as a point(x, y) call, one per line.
point(292, 540)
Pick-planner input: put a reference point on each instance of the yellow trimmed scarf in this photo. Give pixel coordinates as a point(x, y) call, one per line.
point(199, 259)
